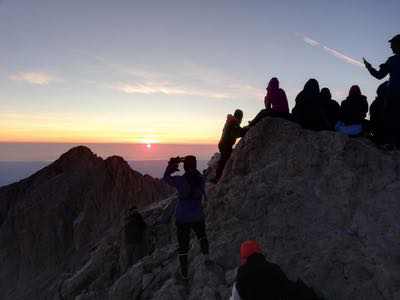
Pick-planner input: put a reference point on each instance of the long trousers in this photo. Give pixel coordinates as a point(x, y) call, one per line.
point(183, 232)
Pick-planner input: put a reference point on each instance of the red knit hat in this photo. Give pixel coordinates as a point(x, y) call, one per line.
point(247, 249)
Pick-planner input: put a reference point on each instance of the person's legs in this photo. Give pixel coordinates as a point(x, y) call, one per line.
point(183, 233)
point(261, 115)
point(200, 230)
point(225, 154)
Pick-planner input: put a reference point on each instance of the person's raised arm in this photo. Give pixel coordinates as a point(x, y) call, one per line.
point(169, 170)
point(378, 74)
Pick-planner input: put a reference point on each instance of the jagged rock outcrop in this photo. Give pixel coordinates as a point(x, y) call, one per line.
point(324, 206)
point(53, 221)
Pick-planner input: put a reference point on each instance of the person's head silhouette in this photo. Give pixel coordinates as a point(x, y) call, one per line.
point(238, 114)
point(311, 87)
point(395, 44)
point(273, 84)
point(326, 94)
point(354, 91)
point(189, 163)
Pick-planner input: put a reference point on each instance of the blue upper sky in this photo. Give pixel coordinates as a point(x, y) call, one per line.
point(170, 71)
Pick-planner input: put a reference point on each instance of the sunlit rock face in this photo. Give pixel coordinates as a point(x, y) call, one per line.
point(325, 207)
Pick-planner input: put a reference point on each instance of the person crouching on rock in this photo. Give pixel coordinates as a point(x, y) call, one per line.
point(135, 237)
point(259, 279)
point(231, 132)
point(189, 213)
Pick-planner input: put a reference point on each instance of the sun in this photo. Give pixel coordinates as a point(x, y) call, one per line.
point(148, 146)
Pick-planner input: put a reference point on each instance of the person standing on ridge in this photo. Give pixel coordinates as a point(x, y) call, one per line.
point(189, 213)
point(392, 106)
point(231, 132)
point(276, 103)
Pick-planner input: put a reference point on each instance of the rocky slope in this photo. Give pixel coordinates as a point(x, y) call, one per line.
point(325, 207)
point(51, 222)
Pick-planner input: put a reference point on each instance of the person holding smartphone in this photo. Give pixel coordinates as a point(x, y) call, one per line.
point(189, 214)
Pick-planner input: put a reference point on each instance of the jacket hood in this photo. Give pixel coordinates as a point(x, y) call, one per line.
point(230, 119)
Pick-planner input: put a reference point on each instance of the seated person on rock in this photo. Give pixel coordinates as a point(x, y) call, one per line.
point(353, 112)
point(392, 107)
point(309, 110)
point(259, 279)
point(332, 108)
point(231, 132)
point(189, 213)
point(276, 103)
point(377, 114)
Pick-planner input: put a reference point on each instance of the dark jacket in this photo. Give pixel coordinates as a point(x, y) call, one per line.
point(231, 132)
point(135, 228)
point(332, 112)
point(259, 279)
point(190, 187)
point(354, 109)
point(310, 113)
point(391, 67)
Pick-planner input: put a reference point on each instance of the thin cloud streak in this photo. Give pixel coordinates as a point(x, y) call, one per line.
point(332, 51)
point(168, 90)
point(343, 57)
point(36, 78)
point(188, 79)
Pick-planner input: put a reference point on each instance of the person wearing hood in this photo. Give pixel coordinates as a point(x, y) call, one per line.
point(189, 215)
point(309, 110)
point(231, 132)
point(392, 107)
point(353, 112)
point(276, 103)
point(332, 108)
point(259, 279)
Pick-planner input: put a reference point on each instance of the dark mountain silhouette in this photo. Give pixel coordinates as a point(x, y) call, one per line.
point(51, 220)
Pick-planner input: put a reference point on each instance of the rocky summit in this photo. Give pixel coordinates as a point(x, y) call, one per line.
point(325, 207)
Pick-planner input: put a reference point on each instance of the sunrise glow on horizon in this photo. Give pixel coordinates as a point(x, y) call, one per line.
point(169, 72)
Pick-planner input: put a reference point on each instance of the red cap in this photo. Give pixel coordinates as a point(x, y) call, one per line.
point(247, 249)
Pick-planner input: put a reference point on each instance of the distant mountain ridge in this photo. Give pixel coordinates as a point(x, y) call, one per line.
point(14, 171)
point(52, 218)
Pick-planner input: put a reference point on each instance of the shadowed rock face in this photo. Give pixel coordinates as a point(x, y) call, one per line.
point(51, 220)
point(325, 208)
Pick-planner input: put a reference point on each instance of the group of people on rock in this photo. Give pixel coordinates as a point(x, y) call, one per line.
point(314, 109)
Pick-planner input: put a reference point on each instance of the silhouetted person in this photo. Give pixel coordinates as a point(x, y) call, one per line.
point(353, 112)
point(189, 213)
point(377, 114)
point(135, 237)
point(276, 103)
point(392, 108)
point(309, 110)
point(259, 279)
point(231, 132)
point(332, 108)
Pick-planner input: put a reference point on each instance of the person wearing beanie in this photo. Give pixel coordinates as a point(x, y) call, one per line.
point(259, 279)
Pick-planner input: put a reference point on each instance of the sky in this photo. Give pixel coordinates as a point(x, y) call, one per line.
point(128, 71)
